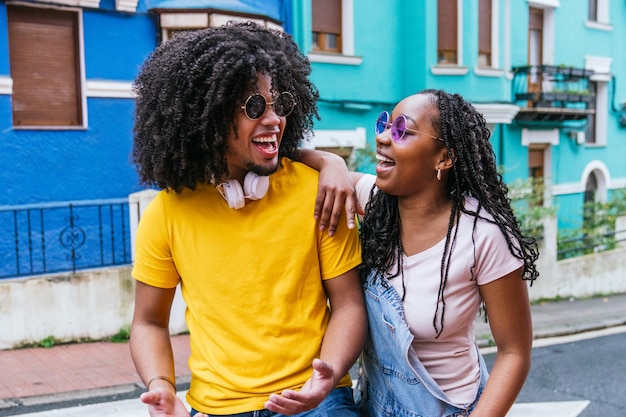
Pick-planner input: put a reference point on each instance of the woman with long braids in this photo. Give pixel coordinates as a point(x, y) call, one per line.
point(439, 238)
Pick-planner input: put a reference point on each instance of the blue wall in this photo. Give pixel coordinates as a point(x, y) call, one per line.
point(41, 166)
point(67, 165)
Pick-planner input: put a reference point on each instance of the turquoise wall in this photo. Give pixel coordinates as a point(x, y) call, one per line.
point(396, 40)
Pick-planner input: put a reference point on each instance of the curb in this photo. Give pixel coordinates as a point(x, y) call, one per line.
point(486, 341)
point(18, 406)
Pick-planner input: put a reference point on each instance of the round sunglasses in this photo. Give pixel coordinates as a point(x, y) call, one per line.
point(398, 127)
point(255, 105)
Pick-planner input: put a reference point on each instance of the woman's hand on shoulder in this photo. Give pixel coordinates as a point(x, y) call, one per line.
point(336, 193)
point(336, 189)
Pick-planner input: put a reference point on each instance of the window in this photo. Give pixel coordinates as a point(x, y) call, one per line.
point(326, 16)
point(447, 32)
point(535, 48)
point(173, 21)
point(536, 167)
point(593, 10)
point(484, 33)
point(45, 68)
point(341, 142)
point(589, 197)
point(590, 132)
point(598, 14)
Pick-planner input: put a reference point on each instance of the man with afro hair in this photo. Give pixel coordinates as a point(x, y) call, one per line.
point(275, 309)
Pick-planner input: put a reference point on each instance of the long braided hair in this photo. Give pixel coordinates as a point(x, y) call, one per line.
point(189, 89)
point(474, 173)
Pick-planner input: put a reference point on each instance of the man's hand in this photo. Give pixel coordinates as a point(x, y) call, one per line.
point(163, 403)
point(313, 392)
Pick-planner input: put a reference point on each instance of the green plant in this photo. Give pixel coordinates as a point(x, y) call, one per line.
point(48, 342)
point(122, 336)
point(527, 200)
point(362, 157)
point(597, 233)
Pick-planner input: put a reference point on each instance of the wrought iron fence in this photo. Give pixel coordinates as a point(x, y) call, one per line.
point(586, 244)
point(47, 238)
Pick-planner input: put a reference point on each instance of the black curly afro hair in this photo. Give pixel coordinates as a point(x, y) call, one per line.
point(189, 89)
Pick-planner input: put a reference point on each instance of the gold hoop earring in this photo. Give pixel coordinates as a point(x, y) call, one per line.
point(439, 174)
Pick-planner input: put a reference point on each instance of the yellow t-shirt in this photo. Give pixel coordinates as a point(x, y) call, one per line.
point(252, 282)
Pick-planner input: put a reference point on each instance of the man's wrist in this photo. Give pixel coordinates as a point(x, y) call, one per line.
point(157, 378)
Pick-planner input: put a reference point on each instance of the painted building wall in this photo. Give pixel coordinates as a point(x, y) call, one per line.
point(390, 52)
point(395, 59)
point(576, 42)
point(392, 59)
point(44, 170)
point(44, 165)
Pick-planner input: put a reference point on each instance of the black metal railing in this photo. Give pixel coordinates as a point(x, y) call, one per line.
point(552, 93)
point(46, 238)
point(586, 244)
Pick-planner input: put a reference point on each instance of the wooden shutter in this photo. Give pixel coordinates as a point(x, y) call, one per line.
point(535, 19)
point(43, 50)
point(447, 26)
point(326, 16)
point(535, 158)
point(484, 27)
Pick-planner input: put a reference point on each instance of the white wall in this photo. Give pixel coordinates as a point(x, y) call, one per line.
point(583, 276)
point(90, 304)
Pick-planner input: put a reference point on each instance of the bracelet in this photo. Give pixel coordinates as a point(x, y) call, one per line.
point(165, 378)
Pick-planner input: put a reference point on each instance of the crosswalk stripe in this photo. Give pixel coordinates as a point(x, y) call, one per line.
point(134, 408)
point(548, 409)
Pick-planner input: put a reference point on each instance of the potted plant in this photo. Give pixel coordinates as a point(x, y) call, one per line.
point(576, 72)
point(547, 96)
point(587, 97)
point(560, 95)
point(524, 96)
point(549, 69)
point(524, 69)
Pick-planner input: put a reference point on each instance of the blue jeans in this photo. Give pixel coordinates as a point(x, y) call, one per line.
point(339, 403)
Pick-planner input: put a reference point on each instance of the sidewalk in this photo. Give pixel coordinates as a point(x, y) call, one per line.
point(560, 318)
point(36, 379)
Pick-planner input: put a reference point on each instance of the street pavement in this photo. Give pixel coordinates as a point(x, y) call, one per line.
point(98, 379)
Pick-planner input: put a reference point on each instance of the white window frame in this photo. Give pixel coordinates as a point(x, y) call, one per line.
point(120, 5)
point(495, 35)
point(353, 139)
point(76, 3)
point(457, 69)
point(495, 69)
point(603, 17)
point(603, 175)
point(347, 56)
point(601, 67)
point(548, 7)
point(7, 85)
point(202, 19)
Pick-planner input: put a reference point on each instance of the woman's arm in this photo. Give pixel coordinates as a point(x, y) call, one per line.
point(335, 191)
point(508, 309)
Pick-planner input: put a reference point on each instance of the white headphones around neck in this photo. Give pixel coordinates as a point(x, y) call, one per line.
point(254, 188)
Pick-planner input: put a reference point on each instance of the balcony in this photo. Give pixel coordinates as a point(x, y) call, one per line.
point(549, 93)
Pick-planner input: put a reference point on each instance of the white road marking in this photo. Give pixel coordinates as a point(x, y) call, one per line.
point(548, 409)
point(135, 408)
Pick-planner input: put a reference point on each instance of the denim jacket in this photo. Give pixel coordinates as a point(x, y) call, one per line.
point(392, 381)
